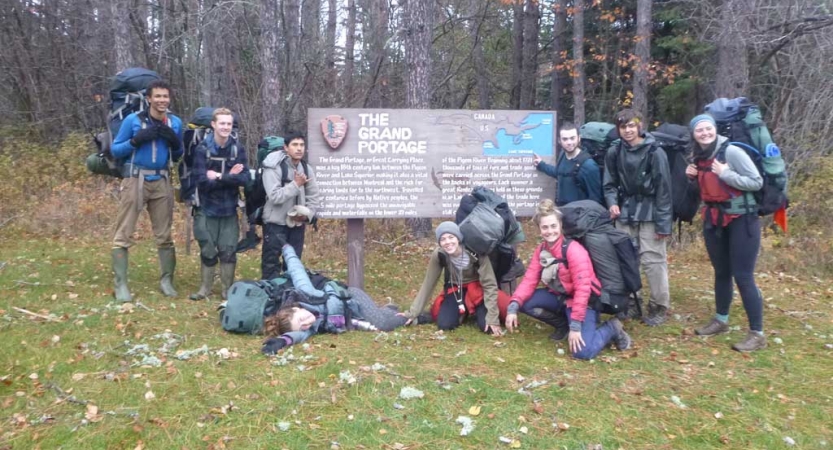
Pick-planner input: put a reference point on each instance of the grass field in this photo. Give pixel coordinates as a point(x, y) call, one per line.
point(80, 371)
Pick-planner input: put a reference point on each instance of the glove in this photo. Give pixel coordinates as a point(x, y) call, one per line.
point(169, 135)
point(272, 345)
point(144, 135)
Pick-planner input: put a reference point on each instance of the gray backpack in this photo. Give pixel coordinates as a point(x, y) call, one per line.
point(250, 301)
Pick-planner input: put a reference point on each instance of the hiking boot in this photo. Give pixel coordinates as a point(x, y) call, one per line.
point(249, 242)
point(752, 342)
point(559, 334)
point(120, 289)
point(423, 318)
point(712, 328)
point(207, 281)
point(657, 315)
point(621, 339)
point(167, 265)
point(226, 277)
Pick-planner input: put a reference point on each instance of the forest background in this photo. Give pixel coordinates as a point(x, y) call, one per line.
point(79, 371)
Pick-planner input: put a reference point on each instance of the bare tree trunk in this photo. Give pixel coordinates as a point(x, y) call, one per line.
point(517, 53)
point(349, 54)
point(484, 100)
point(643, 56)
point(329, 55)
point(556, 76)
point(311, 58)
point(529, 75)
point(418, 15)
point(292, 67)
point(270, 49)
point(732, 76)
point(577, 74)
point(377, 52)
point(121, 34)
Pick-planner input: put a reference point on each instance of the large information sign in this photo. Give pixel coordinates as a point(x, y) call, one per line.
point(375, 163)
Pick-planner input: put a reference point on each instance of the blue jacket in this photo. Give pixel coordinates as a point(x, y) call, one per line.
point(122, 149)
point(218, 198)
point(586, 185)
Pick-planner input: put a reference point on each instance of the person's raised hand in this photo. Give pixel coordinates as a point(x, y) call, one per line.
point(300, 179)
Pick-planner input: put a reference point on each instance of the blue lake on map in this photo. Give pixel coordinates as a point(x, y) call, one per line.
point(537, 137)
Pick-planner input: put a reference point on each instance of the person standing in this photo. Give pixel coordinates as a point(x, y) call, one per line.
point(220, 168)
point(292, 199)
point(148, 141)
point(727, 177)
point(637, 190)
point(579, 177)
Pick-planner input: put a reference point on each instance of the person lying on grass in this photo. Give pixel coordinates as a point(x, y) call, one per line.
point(470, 287)
point(309, 311)
point(570, 289)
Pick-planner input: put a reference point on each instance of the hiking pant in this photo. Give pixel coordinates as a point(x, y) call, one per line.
point(733, 252)
point(449, 316)
point(545, 305)
point(385, 319)
point(158, 197)
point(217, 237)
point(652, 258)
point(274, 236)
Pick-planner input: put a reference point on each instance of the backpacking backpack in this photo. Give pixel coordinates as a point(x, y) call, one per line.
point(596, 138)
point(198, 127)
point(127, 96)
point(740, 120)
point(685, 195)
point(613, 253)
point(490, 228)
point(248, 302)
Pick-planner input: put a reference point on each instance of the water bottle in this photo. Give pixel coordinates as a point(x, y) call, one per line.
point(772, 150)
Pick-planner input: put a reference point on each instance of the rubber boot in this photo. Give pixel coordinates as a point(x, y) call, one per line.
point(121, 290)
point(207, 282)
point(226, 276)
point(167, 265)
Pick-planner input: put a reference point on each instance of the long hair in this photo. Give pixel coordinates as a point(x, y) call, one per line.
point(280, 322)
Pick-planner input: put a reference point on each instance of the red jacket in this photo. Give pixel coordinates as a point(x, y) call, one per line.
point(578, 279)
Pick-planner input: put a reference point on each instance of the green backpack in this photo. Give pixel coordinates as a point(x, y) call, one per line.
point(266, 146)
point(248, 302)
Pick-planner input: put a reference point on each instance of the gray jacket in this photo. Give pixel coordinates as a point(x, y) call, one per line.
point(741, 173)
point(638, 179)
point(281, 198)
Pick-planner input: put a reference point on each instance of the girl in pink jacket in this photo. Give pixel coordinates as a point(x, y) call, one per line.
point(571, 285)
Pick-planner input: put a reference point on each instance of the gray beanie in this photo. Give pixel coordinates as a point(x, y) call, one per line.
point(449, 227)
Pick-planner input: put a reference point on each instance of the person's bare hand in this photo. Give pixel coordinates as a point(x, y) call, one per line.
point(512, 323)
point(718, 167)
point(691, 171)
point(536, 160)
point(212, 175)
point(300, 179)
point(494, 330)
point(237, 168)
point(407, 322)
point(614, 212)
point(576, 342)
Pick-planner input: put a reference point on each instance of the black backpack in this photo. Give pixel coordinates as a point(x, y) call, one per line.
point(490, 228)
point(685, 193)
point(127, 96)
point(612, 251)
point(596, 138)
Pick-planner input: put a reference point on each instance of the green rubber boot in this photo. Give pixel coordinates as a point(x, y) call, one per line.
point(226, 277)
point(167, 265)
point(121, 291)
point(207, 277)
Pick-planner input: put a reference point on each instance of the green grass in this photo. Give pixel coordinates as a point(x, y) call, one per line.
point(619, 400)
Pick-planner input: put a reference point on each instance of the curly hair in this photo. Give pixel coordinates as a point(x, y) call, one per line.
point(546, 208)
point(280, 322)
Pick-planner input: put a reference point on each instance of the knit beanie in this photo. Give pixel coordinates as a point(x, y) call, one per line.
point(700, 118)
point(449, 227)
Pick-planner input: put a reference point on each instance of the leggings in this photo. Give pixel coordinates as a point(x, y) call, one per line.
point(733, 251)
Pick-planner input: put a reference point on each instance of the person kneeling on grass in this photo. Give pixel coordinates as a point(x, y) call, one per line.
point(470, 287)
point(303, 317)
point(571, 288)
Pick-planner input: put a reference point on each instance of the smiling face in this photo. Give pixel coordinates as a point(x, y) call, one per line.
point(301, 319)
point(704, 133)
point(550, 228)
point(450, 244)
point(568, 138)
point(160, 99)
point(630, 131)
point(222, 125)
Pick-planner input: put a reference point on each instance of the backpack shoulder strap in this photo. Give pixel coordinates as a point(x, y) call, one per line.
point(444, 264)
point(579, 161)
point(565, 243)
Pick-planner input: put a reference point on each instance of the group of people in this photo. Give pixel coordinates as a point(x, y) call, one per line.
point(559, 286)
point(150, 140)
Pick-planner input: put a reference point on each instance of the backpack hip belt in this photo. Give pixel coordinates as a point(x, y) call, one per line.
point(134, 171)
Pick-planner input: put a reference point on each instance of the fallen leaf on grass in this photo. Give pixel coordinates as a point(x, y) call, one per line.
point(520, 378)
point(149, 395)
point(474, 410)
point(78, 376)
point(537, 408)
point(92, 413)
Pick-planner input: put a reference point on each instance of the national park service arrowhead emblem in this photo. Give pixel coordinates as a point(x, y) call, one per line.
point(334, 129)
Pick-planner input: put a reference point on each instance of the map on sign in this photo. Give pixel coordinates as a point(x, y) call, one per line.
point(507, 133)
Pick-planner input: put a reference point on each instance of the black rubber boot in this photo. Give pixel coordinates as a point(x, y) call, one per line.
point(249, 242)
